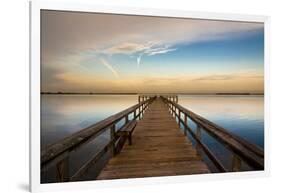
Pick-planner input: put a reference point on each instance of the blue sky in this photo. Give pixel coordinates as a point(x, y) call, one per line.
point(139, 54)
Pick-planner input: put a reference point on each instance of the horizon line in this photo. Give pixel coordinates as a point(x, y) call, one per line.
point(136, 93)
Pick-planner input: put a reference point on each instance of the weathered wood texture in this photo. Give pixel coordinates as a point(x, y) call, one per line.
point(158, 149)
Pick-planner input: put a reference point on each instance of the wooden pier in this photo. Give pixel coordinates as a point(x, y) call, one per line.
point(155, 140)
point(158, 148)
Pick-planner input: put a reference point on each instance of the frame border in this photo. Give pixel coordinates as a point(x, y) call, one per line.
point(34, 99)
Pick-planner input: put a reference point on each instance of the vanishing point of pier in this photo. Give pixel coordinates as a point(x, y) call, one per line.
point(156, 139)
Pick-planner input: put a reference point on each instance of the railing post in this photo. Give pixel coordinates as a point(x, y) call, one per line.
point(135, 113)
point(198, 134)
point(140, 111)
point(112, 138)
point(236, 163)
point(170, 108)
point(126, 118)
point(179, 118)
point(185, 124)
point(62, 170)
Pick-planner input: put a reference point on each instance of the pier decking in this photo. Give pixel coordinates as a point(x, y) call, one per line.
point(158, 148)
point(152, 141)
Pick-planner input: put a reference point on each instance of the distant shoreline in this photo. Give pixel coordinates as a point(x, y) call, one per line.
point(91, 93)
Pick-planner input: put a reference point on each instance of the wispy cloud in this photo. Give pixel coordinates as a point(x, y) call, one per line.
point(159, 50)
point(109, 67)
point(224, 77)
point(215, 77)
point(148, 49)
point(139, 59)
point(126, 48)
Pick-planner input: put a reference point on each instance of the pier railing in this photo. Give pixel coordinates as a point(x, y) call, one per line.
point(241, 150)
point(57, 154)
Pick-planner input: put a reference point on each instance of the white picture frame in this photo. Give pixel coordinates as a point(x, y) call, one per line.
point(36, 6)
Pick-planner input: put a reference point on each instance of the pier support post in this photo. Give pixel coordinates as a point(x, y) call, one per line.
point(62, 170)
point(236, 163)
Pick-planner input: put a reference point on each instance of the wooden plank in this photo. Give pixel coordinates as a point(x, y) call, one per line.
point(158, 149)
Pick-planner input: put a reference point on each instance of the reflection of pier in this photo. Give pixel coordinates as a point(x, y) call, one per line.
point(156, 146)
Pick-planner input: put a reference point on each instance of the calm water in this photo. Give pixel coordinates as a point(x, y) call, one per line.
point(62, 115)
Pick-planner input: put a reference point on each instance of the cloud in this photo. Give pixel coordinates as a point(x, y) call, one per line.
point(126, 48)
point(109, 67)
point(67, 38)
point(159, 50)
point(149, 49)
point(225, 77)
point(215, 77)
point(139, 59)
point(71, 32)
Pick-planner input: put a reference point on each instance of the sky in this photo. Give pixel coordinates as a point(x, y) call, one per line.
point(106, 53)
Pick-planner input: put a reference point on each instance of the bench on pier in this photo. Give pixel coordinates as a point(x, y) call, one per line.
point(123, 134)
point(127, 130)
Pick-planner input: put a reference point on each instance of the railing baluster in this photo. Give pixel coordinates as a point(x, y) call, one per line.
point(198, 134)
point(185, 122)
point(126, 119)
point(112, 137)
point(179, 117)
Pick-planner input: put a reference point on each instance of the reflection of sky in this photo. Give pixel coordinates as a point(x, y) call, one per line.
point(242, 115)
point(62, 115)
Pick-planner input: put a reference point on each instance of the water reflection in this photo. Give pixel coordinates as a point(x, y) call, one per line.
point(65, 114)
point(242, 115)
point(62, 115)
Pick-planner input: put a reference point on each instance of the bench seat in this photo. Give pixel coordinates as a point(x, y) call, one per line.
point(127, 130)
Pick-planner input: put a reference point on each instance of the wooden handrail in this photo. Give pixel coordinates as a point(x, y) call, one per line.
point(250, 153)
point(76, 139)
